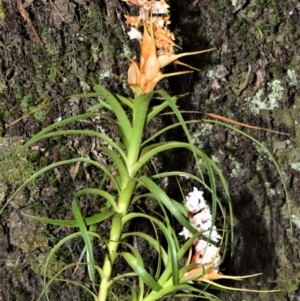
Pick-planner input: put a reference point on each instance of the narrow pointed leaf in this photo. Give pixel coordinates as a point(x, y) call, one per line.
point(87, 240)
point(117, 109)
point(95, 219)
point(140, 270)
point(162, 197)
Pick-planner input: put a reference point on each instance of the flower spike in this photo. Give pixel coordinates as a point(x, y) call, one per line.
point(156, 43)
point(206, 253)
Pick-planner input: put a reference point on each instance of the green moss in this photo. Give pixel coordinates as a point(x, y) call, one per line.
point(50, 47)
point(63, 150)
point(219, 9)
point(263, 3)
point(43, 161)
point(289, 25)
point(253, 52)
point(2, 231)
point(2, 11)
point(33, 155)
point(3, 86)
point(33, 242)
point(215, 57)
point(53, 73)
point(275, 20)
point(268, 47)
point(243, 29)
point(18, 168)
point(27, 102)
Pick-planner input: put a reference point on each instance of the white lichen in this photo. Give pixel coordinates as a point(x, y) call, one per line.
point(104, 74)
point(210, 74)
point(295, 165)
point(292, 77)
point(236, 168)
point(202, 130)
point(270, 101)
point(234, 2)
point(296, 220)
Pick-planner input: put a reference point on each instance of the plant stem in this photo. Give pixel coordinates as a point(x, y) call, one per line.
point(128, 185)
point(115, 233)
point(140, 110)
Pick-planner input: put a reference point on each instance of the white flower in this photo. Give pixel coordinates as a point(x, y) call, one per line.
point(200, 246)
point(212, 234)
point(134, 34)
point(201, 219)
point(185, 233)
point(143, 15)
point(205, 214)
point(160, 7)
point(200, 224)
point(159, 22)
point(195, 201)
point(208, 253)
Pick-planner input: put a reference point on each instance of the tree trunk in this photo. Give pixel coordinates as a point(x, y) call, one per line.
point(53, 49)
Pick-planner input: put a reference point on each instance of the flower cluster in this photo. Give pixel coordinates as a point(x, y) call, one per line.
point(205, 253)
point(154, 15)
point(156, 42)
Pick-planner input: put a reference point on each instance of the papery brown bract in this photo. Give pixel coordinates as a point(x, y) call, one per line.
point(149, 63)
point(156, 45)
point(208, 273)
point(135, 2)
point(147, 74)
point(132, 20)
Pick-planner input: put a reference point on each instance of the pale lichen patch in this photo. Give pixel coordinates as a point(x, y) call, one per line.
point(260, 102)
point(292, 77)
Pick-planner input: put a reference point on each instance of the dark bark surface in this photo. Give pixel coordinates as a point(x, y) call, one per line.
point(252, 77)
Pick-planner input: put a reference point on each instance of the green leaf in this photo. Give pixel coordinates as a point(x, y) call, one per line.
point(87, 240)
point(126, 101)
point(158, 109)
point(55, 125)
point(99, 192)
point(162, 197)
point(118, 111)
point(95, 219)
point(137, 89)
point(57, 277)
point(99, 106)
point(132, 288)
point(122, 169)
point(165, 129)
point(172, 252)
point(166, 291)
point(53, 165)
point(140, 109)
point(101, 136)
point(138, 267)
point(153, 242)
point(58, 245)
